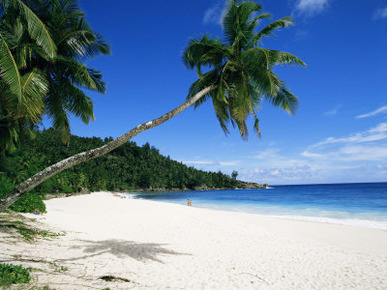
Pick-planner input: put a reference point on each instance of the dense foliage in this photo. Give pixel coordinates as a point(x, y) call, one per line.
point(28, 203)
point(11, 274)
point(44, 47)
point(126, 168)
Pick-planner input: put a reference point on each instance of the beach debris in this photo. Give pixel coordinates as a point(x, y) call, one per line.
point(111, 278)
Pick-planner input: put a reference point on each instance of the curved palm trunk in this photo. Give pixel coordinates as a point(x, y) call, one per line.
point(43, 175)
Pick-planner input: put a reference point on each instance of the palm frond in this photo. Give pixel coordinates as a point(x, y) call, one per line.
point(56, 112)
point(203, 52)
point(265, 81)
point(70, 7)
point(240, 70)
point(81, 40)
point(85, 44)
point(269, 29)
point(285, 100)
point(99, 46)
point(79, 104)
point(256, 126)
point(222, 114)
point(9, 70)
point(100, 85)
point(79, 74)
point(237, 22)
point(276, 57)
point(254, 22)
point(37, 30)
point(206, 80)
point(35, 87)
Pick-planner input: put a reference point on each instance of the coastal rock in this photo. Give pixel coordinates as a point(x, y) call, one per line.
point(252, 185)
point(82, 191)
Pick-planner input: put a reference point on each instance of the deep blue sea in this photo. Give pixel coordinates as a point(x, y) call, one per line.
point(358, 204)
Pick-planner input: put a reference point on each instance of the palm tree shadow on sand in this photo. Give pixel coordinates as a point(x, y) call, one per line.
point(122, 249)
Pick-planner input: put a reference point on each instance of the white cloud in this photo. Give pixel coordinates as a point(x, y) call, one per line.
point(381, 128)
point(210, 162)
point(368, 147)
point(381, 110)
point(211, 15)
point(380, 13)
point(215, 13)
point(273, 166)
point(363, 153)
point(283, 174)
point(306, 153)
point(311, 7)
point(333, 111)
point(360, 156)
point(268, 154)
point(377, 133)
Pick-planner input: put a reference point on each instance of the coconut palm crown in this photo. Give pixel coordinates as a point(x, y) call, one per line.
point(44, 45)
point(22, 89)
point(240, 71)
point(68, 74)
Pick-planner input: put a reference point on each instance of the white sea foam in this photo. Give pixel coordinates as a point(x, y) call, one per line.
point(128, 195)
point(369, 220)
point(375, 224)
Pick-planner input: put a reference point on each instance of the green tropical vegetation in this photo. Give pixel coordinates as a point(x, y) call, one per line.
point(13, 274)
point(129, 167)
point(236, 74)
point(19, 226)
point(240, 71)
point(43, 49)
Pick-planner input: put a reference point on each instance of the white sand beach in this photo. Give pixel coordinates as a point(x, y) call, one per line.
point(153, 245)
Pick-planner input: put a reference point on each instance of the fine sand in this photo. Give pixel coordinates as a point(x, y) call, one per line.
point(144, 244)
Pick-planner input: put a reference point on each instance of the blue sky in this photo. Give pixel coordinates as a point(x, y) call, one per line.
point(339, 133)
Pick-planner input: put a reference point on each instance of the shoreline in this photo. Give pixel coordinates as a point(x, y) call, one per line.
point(307, 228)
point(354, 222)
point(371, 222)
point(162, 245)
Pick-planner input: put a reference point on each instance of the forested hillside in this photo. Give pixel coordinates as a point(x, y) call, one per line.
point(126, 168)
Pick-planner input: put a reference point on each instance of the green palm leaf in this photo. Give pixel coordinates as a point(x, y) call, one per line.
point(238, 23)
point(61, 56)
point(35, 88)
point(279, 58)
point(238, 70)
point(204, 52)
point(9, 70)
point(285, 100)
point(79, 104)
point(269, 29)
point(56, 112)
point(78, 73)
point(37, 29)
point(205, 80)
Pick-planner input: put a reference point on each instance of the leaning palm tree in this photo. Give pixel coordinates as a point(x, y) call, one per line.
point(239, 76)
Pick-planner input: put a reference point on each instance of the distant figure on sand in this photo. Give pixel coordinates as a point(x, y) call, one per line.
point(36, 211)
point(189, 202)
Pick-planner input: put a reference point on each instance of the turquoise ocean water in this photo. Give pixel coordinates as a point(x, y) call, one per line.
point(358, 204)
